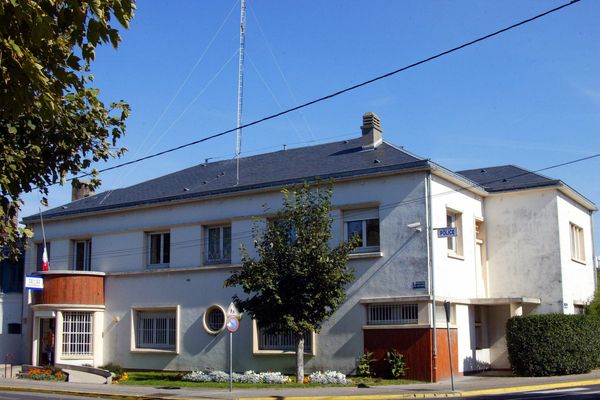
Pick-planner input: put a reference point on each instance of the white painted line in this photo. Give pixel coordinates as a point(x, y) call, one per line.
point(558, 391)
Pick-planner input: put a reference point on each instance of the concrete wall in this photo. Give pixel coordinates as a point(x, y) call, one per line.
point(119, 248)
point(10, 312)
point(523, 247)
point(577, 277)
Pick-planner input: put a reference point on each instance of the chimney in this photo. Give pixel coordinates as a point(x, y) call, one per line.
point(81, 190)
point(372, 134)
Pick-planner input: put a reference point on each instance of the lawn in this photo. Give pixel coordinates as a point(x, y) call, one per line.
point(173, 379)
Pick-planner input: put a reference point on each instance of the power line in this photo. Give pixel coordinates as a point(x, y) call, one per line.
point(335, 94)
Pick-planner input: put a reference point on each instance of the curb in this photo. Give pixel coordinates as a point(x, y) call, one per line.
point(391, 396)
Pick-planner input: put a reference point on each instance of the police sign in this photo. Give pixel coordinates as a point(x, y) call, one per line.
point(449, 231)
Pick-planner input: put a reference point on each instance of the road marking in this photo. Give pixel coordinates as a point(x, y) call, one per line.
point(558, 391)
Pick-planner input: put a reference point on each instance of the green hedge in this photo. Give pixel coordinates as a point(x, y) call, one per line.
point(553, 344)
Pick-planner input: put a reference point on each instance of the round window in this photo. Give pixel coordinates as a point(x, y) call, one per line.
point(214, 319)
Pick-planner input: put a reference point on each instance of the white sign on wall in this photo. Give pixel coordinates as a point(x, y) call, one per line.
point(34, 282)
point(447, 232)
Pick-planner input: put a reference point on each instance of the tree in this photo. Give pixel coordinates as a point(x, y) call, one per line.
point(297, 282)
point(52, 121)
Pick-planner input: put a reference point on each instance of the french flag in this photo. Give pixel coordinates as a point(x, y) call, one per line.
point(45, 264)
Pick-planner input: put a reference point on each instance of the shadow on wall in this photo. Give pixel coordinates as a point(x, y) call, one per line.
point(471, 364)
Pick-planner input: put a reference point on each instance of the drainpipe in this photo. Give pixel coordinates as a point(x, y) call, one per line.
point(595, 260)
point(430, 265)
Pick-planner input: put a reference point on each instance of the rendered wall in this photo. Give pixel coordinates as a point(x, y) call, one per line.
point(119, 249)
point(523, 247)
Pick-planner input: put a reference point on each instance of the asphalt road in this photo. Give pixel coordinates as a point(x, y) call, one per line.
point(40, 396)
point(580, 393)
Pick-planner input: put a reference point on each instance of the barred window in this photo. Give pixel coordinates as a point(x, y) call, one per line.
point(282, 341)
point(156, 330)
point(214, 319)
point(77, 334)
point(392, 314)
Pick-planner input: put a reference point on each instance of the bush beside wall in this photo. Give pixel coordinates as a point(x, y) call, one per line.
point(553, 344)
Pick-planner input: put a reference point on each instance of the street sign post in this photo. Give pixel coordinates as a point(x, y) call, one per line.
point(232, 323)
point(447, 309)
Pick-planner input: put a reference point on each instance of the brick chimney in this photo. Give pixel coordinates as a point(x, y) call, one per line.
point(78, 193)
point(372, 134)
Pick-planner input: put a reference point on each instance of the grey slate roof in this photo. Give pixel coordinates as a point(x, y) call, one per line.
point(330, 160)
point(506, 178)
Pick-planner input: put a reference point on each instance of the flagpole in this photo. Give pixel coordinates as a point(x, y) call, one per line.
point(45, 256)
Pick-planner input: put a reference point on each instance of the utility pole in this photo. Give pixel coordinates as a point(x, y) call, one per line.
point(240, 93)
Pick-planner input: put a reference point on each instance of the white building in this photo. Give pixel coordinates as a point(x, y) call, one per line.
point(136, 274)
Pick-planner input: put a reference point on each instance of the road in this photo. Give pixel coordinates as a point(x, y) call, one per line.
point(580, 393)
point(589, 392)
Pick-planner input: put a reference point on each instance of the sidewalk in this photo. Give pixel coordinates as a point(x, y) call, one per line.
point(465, 386)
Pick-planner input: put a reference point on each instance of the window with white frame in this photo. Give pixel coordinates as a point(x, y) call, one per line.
point(82, 255)
point(392, 314)
point(363, 223)
point(159, 249)
point(577, 245)
point(77, 333)
point(455, 243)
point(156, 329)
point(284, 341)
point(218, 244)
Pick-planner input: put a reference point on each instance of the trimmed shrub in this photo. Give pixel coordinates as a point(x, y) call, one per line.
point(553, 344)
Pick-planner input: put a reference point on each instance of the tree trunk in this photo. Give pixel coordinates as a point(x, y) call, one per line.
point(300, 357)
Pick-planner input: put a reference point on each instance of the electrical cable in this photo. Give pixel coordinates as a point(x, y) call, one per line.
point(331, 95)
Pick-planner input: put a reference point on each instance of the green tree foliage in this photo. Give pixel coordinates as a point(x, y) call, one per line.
point(553, 344)
point(594, 307)
point(52, 122)
point(297, 281)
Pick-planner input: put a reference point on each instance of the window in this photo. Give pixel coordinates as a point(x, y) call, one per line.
point(77, 334)
point(392, 314)
point(159, 249)
point(577, 247)
point(365, 224)
point(214, 319)
point(282, 341)
point(82, 255)
point(218, 246)
point(455, 245)
point(156, 330)
point(39, 253)
point(11, 276)
point(578, 309)
point(14, 329)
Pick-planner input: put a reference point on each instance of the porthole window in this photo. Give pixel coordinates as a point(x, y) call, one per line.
point(214, 319)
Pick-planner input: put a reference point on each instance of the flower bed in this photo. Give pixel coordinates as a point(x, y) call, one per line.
point(274, 378)
point(44, 374)
point(246, 377)
point(328, 378)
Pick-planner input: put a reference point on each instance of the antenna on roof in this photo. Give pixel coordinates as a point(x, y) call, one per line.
point(238, 147)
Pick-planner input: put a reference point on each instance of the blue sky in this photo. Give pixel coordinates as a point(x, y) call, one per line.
point(530, 97)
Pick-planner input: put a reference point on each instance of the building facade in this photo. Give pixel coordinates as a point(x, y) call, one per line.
point(136, 274)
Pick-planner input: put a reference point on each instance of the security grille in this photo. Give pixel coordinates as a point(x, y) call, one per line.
point(77, 334)
point(282, 341)
point(216, 319)
point(393, 314)
point(156, 330)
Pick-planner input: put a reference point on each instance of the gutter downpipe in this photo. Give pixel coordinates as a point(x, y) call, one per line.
point(594, 256)
point(431, 274)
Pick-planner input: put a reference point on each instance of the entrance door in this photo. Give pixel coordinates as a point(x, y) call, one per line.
point(47, 339)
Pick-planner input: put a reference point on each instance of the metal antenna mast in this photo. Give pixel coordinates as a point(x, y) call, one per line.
point(240, 93)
